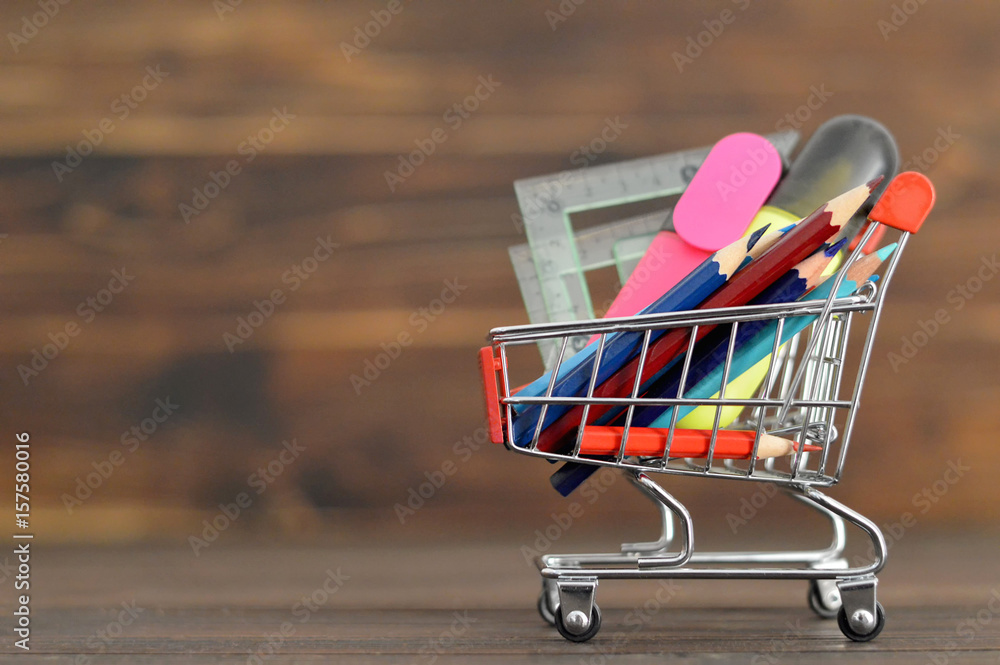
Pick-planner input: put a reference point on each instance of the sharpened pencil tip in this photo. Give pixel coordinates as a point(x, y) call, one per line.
point(756, 235)
point(872, 184)
point(886, 251)
point(832, 250)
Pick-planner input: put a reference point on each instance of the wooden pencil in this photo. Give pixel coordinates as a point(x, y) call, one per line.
point(791, 248)
point(650, 441)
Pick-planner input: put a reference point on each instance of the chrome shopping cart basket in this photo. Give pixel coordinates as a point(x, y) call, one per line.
point(803, 396)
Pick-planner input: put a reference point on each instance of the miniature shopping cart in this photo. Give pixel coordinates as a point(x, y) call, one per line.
point(804, 396)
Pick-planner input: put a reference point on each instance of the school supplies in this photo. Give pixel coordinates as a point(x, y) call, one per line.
point(791, 248)
point(689, 443)
point(747, 355)
point(574, 378)
point(710, 353)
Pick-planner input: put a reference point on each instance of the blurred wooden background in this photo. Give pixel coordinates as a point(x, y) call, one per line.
point(324, 176)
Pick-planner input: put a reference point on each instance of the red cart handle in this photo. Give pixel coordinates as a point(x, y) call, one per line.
point(489, 365)
point(905, 203)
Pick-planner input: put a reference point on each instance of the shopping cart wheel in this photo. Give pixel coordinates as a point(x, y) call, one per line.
point(818, 601)
point(545, 609)
point(845, 626)
point(595, 625)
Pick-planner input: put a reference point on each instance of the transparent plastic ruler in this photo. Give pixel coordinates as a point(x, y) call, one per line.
point(558, 291)
point(595, 248)
point(628, 253)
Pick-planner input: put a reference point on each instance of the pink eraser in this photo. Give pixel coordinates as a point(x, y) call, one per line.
point(727, 191)
point(714, 211)
point(667, 261)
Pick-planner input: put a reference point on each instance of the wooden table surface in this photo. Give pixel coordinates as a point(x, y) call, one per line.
point(471, 603)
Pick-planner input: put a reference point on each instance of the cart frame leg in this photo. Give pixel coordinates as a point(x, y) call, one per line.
point(666, 521)
point(669, 507)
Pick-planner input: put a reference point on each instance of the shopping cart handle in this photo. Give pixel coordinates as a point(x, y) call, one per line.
point(906, 202)
point(489, 365)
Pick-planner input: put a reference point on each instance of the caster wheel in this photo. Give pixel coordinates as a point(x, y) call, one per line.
point(817, 605)
point(546, 610)
point(595, 625)
point(846, 629)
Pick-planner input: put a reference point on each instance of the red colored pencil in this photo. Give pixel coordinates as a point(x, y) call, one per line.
point(793, 247)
